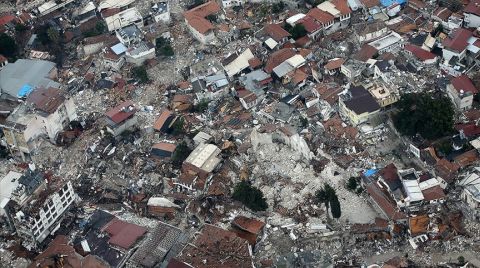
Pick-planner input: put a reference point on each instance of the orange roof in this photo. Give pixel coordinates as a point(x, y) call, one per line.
point(254, 62)
point(169, 147)
point(276, 32)
point(334, 64)
point(196, 16)
point(418, 225)
point(162, 119)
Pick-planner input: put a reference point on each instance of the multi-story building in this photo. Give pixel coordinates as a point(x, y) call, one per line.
point(35, 210)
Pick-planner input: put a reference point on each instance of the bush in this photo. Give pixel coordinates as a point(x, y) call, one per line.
point(140, 73)
point(250, 196)
point(99, 29)
point(278, 7)
point(461, 260)
point(178, 126)
point(297, 31)
point(163, 47)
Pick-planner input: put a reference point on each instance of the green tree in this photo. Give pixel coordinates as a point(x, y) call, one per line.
point(178, 126)
point(100, 27)
point(461, 260)
point(163, 47)
point(278, 7)
point(422, 113)
point(335, 207)
point(201, 106)
point(19, 27)
point(181, 153)
point(296, 31)
point(53, 35)
point(250, 196)
point(352, 184)
point(140, 73)
point(328, 196)
point(8, 47)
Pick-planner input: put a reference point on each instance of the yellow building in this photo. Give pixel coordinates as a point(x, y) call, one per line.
point(358, 105)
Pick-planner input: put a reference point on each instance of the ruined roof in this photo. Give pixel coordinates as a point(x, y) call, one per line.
point(46, 99)
point(390, 176)
point(463, 84)
point(365, 53)
point(60, 247)
point(276, 32)
point(123, 234)
point(248, 224)
point(320, 15)
point(446, 169)
point(196, 16)
point(420, 53)
point(223, 243)
point(157, 245)
point(418, 225)
point(473, 7)
point(467, 158)
point(334, 64)
point(369, 27)
point(458, 41)
point(122, 112)
point(370, 3)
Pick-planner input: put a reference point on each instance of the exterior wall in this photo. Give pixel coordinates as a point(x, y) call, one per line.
point(373, 35)
point(141, 58)
point(248, 105)
point(231, 3)
point(117, 65)
point(202, 38)
point(92, 48)
point(470, 200)
point(164, 17)
point(471, 20)
point(354, 118)
point(462, 104)
point(119, 129)
point(52, 211)
point(448, 54)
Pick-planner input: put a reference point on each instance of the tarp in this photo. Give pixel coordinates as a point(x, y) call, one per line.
point(25, 90)
point(387, 3)
point(369, 172)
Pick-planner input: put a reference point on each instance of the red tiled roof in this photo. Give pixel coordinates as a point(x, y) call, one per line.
point(458, 41)
point(342, 6)
point(334, 64)
point(25, 17)
point(122, 112)
point(276, 32)
point(6, 19)
point(446, 169)
point(389, 173)
point(417, 3)
point(320, 15)
point(303, 41)
point(123, 234)
point(196, 16)
point(467, 158)
point(310, 24)
point(420, 53)
point(278, 57)
point(299, 76)
point(473, 7)
point(464, 83)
